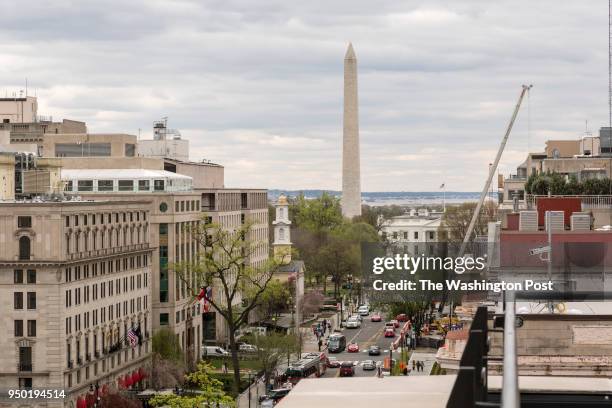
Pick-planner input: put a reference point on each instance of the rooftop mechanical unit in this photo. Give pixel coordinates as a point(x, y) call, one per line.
point(557, 220)
point(580, 222)
point(528, 221)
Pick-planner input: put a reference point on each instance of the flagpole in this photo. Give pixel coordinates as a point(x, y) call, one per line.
point(444, 197)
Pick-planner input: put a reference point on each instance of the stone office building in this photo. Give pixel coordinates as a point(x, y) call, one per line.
point(75, 277)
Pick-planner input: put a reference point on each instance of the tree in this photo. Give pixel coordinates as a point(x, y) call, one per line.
point(167, 364)
point(312, 302)
point(272, 349)
point(223, 264)
point(377, 215)
point(456, 220)
point(210, 392)
point(274, 298)
point(115, 399)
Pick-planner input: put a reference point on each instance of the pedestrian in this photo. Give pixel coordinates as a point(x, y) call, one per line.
point(406, 370)
point(329, 326)
point(320, 343)
point(379, 373)
point(413, 364)
point(224, 367)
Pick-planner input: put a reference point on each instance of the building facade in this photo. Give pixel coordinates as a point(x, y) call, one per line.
point(76, 277)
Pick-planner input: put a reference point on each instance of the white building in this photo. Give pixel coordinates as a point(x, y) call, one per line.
point(124, 180)
point(166, 143)
point(414, 227)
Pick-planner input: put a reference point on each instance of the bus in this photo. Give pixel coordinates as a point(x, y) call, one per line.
point(309, 364)
point(336, 343)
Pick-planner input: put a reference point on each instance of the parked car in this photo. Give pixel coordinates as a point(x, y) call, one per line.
point(275, 395)
point(247, 348)
point(389, 332)
point(376, 318)
point(401, 317)
point(332, 362)
point(214, 351)
point(374, 351)
point(353, 348)
point(347, 369)
point(352, 324)
point(368, 365)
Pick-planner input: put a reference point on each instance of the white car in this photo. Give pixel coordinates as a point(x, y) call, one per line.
point(247, 348)
point(353, 324)
point(364, 310)
point(214, 351)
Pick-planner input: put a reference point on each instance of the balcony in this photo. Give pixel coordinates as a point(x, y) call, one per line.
point(97, 354)
point(87, 357)
point(24, 367)
point(588, 201)
point(79, 361)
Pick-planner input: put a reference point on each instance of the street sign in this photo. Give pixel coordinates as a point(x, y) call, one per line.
point(540, 250)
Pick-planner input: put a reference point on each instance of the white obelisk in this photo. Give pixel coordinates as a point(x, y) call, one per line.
point(351, 177)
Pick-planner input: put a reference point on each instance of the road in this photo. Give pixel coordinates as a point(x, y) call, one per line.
point(368, 334)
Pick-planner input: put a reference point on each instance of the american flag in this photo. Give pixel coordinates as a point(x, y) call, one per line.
point(132, 337)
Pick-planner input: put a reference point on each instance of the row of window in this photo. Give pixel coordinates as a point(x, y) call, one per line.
point(31, 328)
point(18, 276)
point(189, 205)
point(18, 300)
point(108, 218)
point(122, 185)
point(118, 265)
point(415, 234)
point(110, 312)
point(135, 282)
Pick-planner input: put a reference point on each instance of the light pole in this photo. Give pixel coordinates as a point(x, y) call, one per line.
point(250, 385)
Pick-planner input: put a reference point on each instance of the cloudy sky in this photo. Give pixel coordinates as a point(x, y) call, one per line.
point(257, 85)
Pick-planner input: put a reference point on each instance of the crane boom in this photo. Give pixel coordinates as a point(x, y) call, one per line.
point(483, 195)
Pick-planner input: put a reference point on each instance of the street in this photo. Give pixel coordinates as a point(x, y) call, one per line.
point(370, 333)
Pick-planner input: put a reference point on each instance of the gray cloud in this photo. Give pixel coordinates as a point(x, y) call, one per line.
point(257, 86)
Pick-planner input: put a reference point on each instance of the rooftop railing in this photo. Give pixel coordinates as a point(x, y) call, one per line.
point(588, 201)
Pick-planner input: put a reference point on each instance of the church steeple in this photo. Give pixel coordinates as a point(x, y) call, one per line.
point(282, 231)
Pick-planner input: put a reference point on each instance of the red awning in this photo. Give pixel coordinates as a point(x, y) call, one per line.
point(143, 373)
point(104, 390)
point(135, 377)
point(81, 403)
point(91, 400)
point(128, 380)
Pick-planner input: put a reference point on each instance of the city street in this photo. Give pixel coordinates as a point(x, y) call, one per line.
point(370, 333)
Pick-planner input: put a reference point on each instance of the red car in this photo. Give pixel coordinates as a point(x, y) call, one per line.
point(347, 369)
point(389, 332)
point(376, 318)
point(353, 348)
point(401, 317)
point(332, 362)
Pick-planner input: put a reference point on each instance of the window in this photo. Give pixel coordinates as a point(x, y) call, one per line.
point(85, 185)
point(18, 276)
point(25, 358)
point(24, 248)
point(69, 186)
point(18, 328)
point(126, 185)
point(31, 276)
point(431, 235)
point(416, 234)
point(105, 185)
point(158, 185)
point(24, 222)
point(144, 185)
point(18, 300)
point(163, 319)
point(25, 383)
point(31, 300)
point(130, 149)
point(31, 328)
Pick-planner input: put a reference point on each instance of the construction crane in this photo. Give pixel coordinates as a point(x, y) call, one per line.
point(492, 170)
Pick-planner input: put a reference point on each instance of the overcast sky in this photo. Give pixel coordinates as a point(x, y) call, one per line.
point(257, 85)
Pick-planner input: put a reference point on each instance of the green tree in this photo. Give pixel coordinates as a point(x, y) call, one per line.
point(274, 298)
point(210, 392)
point(167, 363)
point(223, 263)
point(376, 215)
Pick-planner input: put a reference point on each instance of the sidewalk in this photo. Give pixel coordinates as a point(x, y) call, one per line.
point(427, 358)
point(257, 389)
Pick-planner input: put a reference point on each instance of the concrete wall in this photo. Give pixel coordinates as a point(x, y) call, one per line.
point(204, 175)
point(18, 110)
point(117, 141)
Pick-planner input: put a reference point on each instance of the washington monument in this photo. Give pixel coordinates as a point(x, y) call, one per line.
point(351, 178)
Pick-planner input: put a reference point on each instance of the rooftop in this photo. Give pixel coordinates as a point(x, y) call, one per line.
point(96, 174)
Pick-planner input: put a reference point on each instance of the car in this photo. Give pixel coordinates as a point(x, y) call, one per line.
point(275, 395)
point(363, 310)
point(374, 351)
point(368, 365)
point(353, 348)
point(356, 316)
point(347, 369)
point(332, 362)
point(389, 332)
point(247, 348)
point(214, 351)
point(390, 324)
point(401, 317)
point(352, 324)
point(395, 323)
point(376, 318)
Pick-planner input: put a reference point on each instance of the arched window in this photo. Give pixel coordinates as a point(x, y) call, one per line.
point(281, 213)
point(24, 248)
point(281, 234)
